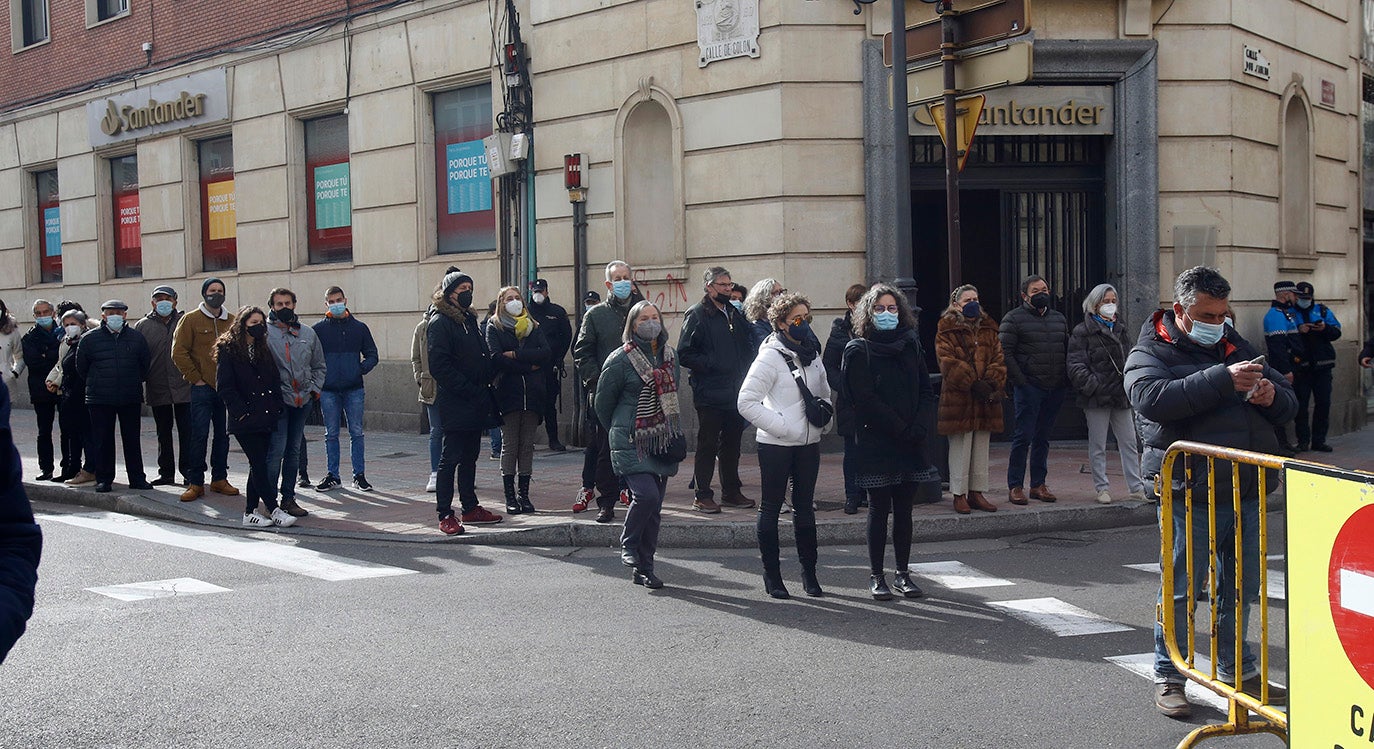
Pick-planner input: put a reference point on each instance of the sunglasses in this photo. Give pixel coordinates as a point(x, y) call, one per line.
point(799, 319)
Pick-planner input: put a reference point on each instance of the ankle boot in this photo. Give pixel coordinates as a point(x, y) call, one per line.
point(877, 584)
point(768, 551)
point(772, 583)
point(512, 506)
point(524, 495)
point(810, 584)
point(806, 553)
point(961, 504)
point(979, 502)
point(901, 583)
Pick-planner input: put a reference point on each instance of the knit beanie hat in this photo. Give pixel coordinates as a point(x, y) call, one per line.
point(206, 284)
point(452, 280)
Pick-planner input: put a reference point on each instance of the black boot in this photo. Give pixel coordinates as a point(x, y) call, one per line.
point(806, 552)
point(878, 585)
point(901, 583)
point(772, 568)
point(524, 495)
point(512, 506)
point(645, 576)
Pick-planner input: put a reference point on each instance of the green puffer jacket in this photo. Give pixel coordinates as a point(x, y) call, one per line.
point(617, 393)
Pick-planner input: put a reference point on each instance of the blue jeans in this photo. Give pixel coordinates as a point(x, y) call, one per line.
point(1036, 409)
point(436, 437)
point(1224, 628)
point(207, 410)
point(284, 454)
point(349, 404)
point(494, 434)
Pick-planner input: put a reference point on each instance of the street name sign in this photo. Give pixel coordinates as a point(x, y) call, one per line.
point(979, 22)
point(985, 68)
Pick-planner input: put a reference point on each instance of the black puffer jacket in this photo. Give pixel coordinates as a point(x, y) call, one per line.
point(553, 321)
point(1183, 391)
point(841, 333)
point(1035, 347)
point(715, 346)
point(894, 404)
point(519, 385)
point(250, 390)
point(1097, 361)
point(41, 353)
point(461, 364)
point(114, 366)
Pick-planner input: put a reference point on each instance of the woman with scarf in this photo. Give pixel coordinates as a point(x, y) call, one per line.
point(885, 378)
point(73, 419)
point(774, 399)
point(636, 395)
point(11, 352)
point(974, 377)
point(1097, 357)
point(248, 382)
point(519, 354)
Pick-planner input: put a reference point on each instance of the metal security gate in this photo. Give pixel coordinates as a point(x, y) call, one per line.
point(1058, 235)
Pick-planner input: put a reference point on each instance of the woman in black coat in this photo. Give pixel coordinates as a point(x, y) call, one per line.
point(841, 333)
point(885, 378)
point(249, 384)
point(519, 355)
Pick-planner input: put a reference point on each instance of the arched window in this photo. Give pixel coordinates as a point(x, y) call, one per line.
point(1295, 173)
point(648, 169)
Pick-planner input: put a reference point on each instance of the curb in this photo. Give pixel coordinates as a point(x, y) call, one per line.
point(697, 535)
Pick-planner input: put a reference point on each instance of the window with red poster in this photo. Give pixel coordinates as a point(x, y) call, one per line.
point(49, 220)
point(128, 238)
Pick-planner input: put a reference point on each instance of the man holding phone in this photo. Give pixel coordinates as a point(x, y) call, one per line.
point(1318, 327)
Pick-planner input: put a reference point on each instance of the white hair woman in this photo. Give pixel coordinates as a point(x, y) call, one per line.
point(1097, 359)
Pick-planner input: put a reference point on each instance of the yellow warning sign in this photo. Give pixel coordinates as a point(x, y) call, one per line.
point(1330, 519)
point(967, 109)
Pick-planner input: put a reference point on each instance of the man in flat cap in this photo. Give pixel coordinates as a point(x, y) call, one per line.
point(113, 360)
point(168, 393)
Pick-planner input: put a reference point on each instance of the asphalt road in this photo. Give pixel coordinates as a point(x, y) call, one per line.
point(313, 643)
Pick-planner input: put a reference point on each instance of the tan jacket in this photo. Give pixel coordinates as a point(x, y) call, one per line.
point(419, 359)
point(194, 340)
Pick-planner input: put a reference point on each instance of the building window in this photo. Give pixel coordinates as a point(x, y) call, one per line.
point(128, 239)
point(466, 221)
point(49, 221)
point(29, 19)
point(1296, 202)
point(218, 215)
point(99, 11)
point(329, 213)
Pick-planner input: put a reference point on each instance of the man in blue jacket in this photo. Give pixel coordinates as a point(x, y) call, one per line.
point(349, 354)
point(21, 542)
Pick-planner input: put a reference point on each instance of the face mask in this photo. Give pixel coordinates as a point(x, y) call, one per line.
point(800, 331)
point(337, 310)
point(1231, 323)
point(285, 315)
point(164, 308)
point(1108, 311)
point(214, 301)
point(538, 298)
point(514, 307)
point(648, 329)
point(1206, 334)
point(973, 310)
point(465, 299)
point(885, 320)
point(1041, 300)
point(74, 330)
point(1304, 304)
point(737, 304)
point(589, 305)
point(257, 331)
point(621, 289)
point(115, 322)
point(44, 321)
point(723, 298)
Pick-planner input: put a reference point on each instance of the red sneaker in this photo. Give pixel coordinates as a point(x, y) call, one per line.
point(625, 497)
point(450, 526)
point(480, 516)
point(584, 498)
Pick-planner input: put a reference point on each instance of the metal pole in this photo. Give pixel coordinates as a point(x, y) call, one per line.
point(901, 147)
point(580, 290)
point(948, 30)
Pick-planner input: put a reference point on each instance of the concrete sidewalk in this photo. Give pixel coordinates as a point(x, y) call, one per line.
point(400, 510)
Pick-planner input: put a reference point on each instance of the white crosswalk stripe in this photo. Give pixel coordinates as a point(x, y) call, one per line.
point(263, 553)
point(1143, 664)
point(956, 575)
point(180, 586)
point(1275, 583)
point(1059, 617)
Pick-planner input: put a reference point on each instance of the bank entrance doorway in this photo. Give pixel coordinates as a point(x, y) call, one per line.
point(1028, 205)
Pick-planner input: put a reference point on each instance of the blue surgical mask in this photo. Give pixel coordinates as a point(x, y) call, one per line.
point(44, 321)
point(1304, 304)
point(164, 308)
point(337, 310)
point(115, 322)
point(621, 289)
point(1207, 334)
point(737, 304)
point(886, 320)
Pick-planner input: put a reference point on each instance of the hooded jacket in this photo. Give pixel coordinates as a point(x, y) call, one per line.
point(193, 341)
point(349, 352)
point(300, 362)
point(461, 365)
point(1097, 361)
point(715, 347)
point(771, 400)
point(114, 366)
point(165, 385)
point(419, 358)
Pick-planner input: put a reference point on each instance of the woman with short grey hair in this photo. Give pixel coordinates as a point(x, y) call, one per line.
point(1097, 359)
point(756, 305)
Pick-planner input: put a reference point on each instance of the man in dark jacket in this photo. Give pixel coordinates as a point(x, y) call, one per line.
point(349, 354)
point(1189, 377)
point(1035, 341)
point(841, 333)
point(21, 541)
point(715, 346)
point(300, 361)
point(553, 320)
point(114, 362)
point(41, 346)
point(169, 394)
point(460, 362)
point(1317, 327)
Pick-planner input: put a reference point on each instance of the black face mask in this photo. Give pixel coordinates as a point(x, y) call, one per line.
point(465, 299)
point(973, 310)
point(258, 331)
point(214, 301)
point(723, 298)
point(285, 315)
point(1041, 300)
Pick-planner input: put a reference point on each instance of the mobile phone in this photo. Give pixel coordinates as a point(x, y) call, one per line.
point(1258, 359)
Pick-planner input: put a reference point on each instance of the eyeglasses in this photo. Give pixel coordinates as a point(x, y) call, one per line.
point(889, 308)
point(799, 319)
point(780, 292)
point(723, 284)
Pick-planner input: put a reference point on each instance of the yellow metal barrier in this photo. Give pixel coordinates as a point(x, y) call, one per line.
point(1238, 462)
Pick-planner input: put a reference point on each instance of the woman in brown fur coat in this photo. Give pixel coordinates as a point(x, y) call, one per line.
point(974, 379)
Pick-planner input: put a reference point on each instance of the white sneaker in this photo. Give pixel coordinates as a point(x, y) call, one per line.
point(256, 519)
point(433, 484)
point(1104, 497)
point(282, 519)
point(1137, 496)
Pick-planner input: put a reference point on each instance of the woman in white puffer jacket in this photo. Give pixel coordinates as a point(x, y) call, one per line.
point(789, 444)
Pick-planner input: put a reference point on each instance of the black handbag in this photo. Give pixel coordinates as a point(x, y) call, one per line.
point(675, 452)
point(818, 412)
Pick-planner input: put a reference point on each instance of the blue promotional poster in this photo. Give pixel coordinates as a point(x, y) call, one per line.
point(469, 179)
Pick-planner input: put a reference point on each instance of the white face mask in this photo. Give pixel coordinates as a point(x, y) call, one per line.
point(1108, 311)
point(538, 298)
point(74, 330)
point(514, 307)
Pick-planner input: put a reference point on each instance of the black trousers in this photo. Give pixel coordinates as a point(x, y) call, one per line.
point(78, 444)
point(607, 484)
point(45, 413)
point(1313, 385)
point(261, 487)
point(718, 437)
point(103, 428)
point(779, 466)
point(897, 500)
point(165, 417)
point(461, 448)
point(552, 386)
